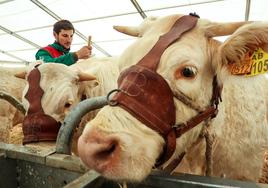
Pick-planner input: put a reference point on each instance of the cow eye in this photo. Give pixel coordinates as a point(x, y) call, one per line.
point(189, 72)
point(68, 104)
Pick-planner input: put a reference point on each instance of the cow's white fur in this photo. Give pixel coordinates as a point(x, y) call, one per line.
point(61, 86)
point(240, 128)
point(9, 115)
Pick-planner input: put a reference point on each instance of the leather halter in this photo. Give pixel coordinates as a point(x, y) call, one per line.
point(37, 126)
point(147, 96)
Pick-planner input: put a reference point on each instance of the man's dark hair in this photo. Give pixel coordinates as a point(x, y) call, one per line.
point(63, 24)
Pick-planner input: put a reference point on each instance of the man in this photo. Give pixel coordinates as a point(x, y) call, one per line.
point(59, 51)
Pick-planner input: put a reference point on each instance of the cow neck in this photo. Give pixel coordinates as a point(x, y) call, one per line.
point(141, 86)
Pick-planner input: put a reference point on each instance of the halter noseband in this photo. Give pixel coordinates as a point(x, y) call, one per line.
point(37, 126)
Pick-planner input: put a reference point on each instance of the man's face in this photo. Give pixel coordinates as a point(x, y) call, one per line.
point(64, 38)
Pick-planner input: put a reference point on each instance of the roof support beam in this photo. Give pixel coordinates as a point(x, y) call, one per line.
point(47, 10)
point(13, 56)
point(184, 5)
point(19, 37)
point(247, 10)
point(13, 63)
point(139, 9)
point(93, 44)
point(6, 1)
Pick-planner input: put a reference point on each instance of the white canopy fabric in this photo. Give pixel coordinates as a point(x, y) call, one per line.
point(26, 25)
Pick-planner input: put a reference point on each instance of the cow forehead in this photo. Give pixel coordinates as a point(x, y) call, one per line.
point(182, 54)
point(191, 46)
point(55, 72)
point(162, 24)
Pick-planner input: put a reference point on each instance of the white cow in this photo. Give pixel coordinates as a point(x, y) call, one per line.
point(9, 115)
point(65, 86)
point(121, 147)
point(106, 71)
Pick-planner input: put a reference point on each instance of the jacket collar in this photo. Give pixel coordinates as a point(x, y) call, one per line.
point(59, 47)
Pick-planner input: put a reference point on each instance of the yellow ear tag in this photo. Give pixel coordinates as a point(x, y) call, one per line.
point(253, 64)
point(242, 67)
point(259, 62)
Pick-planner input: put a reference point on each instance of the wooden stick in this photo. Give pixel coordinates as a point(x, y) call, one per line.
point(89, 41)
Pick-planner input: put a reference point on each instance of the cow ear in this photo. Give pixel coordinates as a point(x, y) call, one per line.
point(85, 77)
point(222, 29)
point(21, 74)
point(245, 40)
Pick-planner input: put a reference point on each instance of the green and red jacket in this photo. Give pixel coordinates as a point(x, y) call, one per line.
point(57, 54)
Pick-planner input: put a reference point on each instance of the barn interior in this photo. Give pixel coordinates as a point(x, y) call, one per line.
point(26, 26)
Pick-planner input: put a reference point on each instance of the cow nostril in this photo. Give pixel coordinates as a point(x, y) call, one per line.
point(106, 152)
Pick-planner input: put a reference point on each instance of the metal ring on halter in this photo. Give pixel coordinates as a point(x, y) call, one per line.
point(112, 102)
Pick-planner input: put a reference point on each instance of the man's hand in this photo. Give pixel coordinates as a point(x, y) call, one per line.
point(84, 52)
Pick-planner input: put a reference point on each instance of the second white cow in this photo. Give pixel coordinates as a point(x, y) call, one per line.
point(65, 86)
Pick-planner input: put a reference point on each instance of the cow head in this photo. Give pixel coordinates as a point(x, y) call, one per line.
point(119, 145)
point(61, 86)
point(52, 90)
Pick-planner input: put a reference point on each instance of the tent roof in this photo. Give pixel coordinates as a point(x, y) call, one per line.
point(26, 25)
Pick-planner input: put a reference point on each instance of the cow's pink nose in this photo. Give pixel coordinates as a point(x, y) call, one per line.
point(98, 151)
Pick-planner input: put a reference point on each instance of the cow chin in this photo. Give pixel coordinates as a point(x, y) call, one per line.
point(120, 155)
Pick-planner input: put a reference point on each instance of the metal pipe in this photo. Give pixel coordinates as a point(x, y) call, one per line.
point(63, 143)
point(13, 101)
